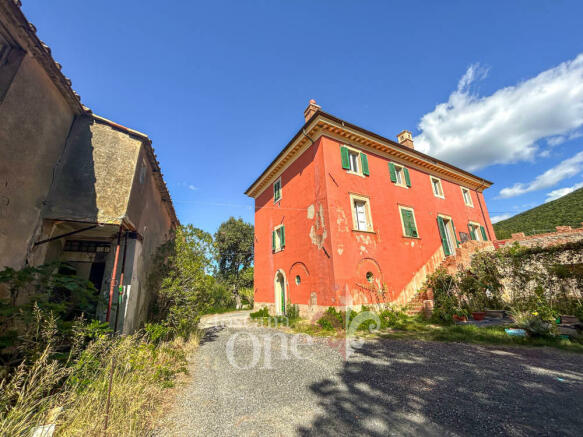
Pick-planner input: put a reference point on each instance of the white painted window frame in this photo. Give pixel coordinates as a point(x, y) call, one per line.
point(450, 232)
point(400, 174)
point(358, 197)
point(352, 150)
point(471, 202)
point(280, 190)
point(477, 231)
point(433, 179)
point(278, 247)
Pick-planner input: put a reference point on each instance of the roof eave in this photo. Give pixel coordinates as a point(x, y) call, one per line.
point(485, 183)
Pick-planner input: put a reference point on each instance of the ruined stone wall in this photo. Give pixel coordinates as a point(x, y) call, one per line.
point(148, 213)
point(563, 235)
point(95, 177)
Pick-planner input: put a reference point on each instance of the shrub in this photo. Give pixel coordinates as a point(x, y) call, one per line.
point(263, 312)
point(247, 296)
point(534, 323)
point(292, 311)
point(332, 319)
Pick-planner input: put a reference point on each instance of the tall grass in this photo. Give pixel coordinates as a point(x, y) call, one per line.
point(73, 394)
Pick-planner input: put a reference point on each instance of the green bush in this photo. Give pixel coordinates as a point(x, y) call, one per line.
point(263, 312)
point(332, 319)
point(292, 311)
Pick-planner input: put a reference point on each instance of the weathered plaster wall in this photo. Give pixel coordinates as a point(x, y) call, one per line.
point(393, 259)
point(148, 212)
point(302, 210)
point(34, 124)
point(322, 246)
point(95, 177)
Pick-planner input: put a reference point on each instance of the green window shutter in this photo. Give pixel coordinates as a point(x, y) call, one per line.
point(392, 172)
point(412, 228)
point(282, 236)
point(273, 240)
point(457, 242)
point(442, 234)
point(483, 233)
point(276, 191)
point(407, 178)
point(472, 233)
point(405, 218)
point(345, 159)
point(409, 223)
point(364, 161)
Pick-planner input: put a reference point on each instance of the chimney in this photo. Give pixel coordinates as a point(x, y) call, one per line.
point(406, 139)
point(311, 109)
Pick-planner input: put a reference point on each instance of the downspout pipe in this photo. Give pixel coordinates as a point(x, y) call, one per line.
point(113, 274)
point(120, 289)
point(482, 210)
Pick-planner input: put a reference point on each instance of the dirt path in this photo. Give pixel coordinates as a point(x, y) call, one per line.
point(384, 388)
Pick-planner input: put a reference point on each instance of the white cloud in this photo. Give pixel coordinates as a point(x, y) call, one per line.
point(474, 132)
point(566, 169)
point(499, 218)
point(560, 192)
point(560, 139)
point(192, 187)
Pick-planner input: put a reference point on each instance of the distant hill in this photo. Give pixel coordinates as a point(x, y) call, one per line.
point(565, 211)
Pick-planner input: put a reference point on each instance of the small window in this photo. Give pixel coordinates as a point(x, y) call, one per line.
point(436, 187)
point(474, 229)
point(298, 280)
point(467, 197)
point(477, 232)
point(277, 190)
point(399, 175)
point(278, 238)
point(408, 222)
point(354, 161)
point(361, 217)
point(369, 277)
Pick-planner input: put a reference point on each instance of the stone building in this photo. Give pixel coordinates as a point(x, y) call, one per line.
point(344, 216)
point(74, 186)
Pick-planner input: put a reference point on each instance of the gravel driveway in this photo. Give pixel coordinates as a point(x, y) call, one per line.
point(388, 387)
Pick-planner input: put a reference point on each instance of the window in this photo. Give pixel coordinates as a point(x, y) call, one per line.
point(87, 246)
point(277, 190)
point(467, 197)
point(477, 232)
point(278, 238)
point(447, 234)
point(436, 186)
point(369, 277)
point(298, 280)
point(361, 218)
point(354, 161)
point(408, 222)
point(399, 175)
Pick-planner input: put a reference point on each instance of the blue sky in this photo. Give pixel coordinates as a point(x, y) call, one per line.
point(220, 86)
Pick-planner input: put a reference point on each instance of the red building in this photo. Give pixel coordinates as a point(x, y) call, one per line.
point(344, 216)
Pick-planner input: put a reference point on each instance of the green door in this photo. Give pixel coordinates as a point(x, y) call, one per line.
point(282, 298)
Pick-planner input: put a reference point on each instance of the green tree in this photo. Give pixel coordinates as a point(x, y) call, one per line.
point(181, 277)
point(234, 254)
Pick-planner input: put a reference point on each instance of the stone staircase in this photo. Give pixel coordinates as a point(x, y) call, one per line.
point(423, 301)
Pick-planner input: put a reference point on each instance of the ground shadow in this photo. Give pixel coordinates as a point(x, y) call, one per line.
point(425, 388)
point(210, 334)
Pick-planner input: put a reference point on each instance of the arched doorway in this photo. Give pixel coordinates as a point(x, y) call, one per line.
point(280, 293)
